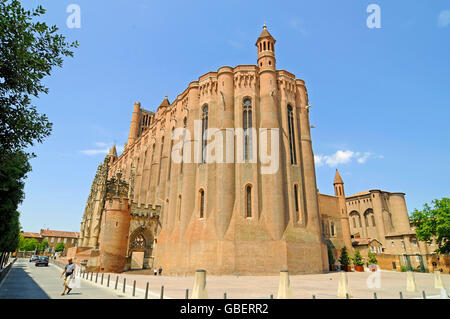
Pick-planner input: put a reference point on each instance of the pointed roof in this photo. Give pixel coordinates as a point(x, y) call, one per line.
point(165, 103)
point(112, 151)
point(265, 33)
point(337, 178)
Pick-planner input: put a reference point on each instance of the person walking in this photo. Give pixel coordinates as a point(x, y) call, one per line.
point(155, 271)
point(160, 270)
point(69, 272)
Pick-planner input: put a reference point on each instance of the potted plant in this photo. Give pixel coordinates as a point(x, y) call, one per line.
point(372, 261)
point(331, 258)
point(344, 259)
point(357, 261)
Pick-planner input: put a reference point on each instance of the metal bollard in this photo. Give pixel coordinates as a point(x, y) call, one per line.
point(92, 274)
point(187, 293)
point(124, 284)
point(146, 291)
point(117, 281)
point(401, 295)
point(162, 292)
point(101, 281)
point(107, 283)
point(271, 296)
point(375, 295)
point(134, 288)
point(423, 294)
point(224, 295)
point(96, 277)
point(314, 296)
point(347, 296)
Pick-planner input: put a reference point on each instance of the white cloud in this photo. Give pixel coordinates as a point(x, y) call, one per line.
point(444, 18)
point(102, 148)
point(343, 157)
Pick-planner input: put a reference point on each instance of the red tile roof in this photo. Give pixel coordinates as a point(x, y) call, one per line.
point(31, 235)
point(58, 233)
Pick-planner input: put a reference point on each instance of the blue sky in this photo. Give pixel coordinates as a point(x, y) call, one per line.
point(381, 97)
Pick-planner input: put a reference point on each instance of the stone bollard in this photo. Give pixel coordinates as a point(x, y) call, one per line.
point(199, 290)
point(343, 288)
point(284, 287)
point(438, 280)
point(187, 294)
point(444, 294)
point(410, 282)
point(146, 291)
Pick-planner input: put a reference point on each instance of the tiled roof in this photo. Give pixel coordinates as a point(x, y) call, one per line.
point(360, 194)
point(31, 235)
point(58, 233)
point(364, 241)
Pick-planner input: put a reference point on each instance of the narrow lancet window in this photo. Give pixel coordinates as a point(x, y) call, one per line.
point(204, 135)
point(291, 135)
point(247, 126)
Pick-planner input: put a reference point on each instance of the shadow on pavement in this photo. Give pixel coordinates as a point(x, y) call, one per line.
point(19, 285)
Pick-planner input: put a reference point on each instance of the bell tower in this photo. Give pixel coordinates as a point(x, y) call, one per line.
point(266, 50)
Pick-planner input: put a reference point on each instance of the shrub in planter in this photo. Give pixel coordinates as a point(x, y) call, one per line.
point(344, 259)
point(357, 261)
point(372, 261)
point(331, 259)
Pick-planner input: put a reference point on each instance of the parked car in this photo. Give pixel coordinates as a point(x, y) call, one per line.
point(34, 258)
point(41, 261)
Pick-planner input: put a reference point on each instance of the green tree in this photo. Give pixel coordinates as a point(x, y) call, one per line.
point(330, 256)
point(357, 258)
point(29, 50)
point(372, 258)
point(433, 222)
point(29, 244)
point(44, 245)
point(60, 246)
point(344, 259)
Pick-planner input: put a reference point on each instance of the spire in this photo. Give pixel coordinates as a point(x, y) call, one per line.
point(265, 33)
point(165, 102)
point(112, 151)
point(337, 178)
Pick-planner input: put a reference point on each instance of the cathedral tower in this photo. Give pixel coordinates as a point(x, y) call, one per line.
point(339, 192)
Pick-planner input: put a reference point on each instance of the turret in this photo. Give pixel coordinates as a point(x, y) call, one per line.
point(134, 126)
point(266, 50)
point(345, 223)
point(338, 185)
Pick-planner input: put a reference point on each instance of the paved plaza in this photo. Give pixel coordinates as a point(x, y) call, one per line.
point(27, 281)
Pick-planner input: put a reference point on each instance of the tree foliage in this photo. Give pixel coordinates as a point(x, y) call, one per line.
point(44, 245)
point(29, 50)
point(60, 246)
point(344, 259)
point(433, 222)
point(372, 258)
point(357, 258)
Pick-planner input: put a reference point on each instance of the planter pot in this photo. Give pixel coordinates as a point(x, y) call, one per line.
point(346, 268)
point(332, 268)
point(359, 268)
point(373, 267)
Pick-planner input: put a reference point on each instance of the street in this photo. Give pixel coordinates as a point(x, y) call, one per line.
point(26, 281)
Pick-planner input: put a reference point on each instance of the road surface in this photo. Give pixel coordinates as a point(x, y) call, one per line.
point(26, 281)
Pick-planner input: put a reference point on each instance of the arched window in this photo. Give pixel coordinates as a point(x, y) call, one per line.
point(247, 125)
point(373, 220)
point(291, 135)
point(264, 45)
point(202, 203)
point(170, 153)
point(332, 229)
point(248, 201)
point(204, 128)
